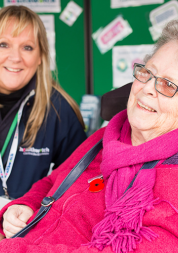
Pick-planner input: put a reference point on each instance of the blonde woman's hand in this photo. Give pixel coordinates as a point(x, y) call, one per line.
point(15, 218)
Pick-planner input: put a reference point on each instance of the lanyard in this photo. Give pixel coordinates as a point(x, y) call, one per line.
point(4, 174)
point(11, 130)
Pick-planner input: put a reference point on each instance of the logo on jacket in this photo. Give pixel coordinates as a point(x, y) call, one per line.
point(34, 151)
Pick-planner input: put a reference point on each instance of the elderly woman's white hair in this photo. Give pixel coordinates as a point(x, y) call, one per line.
point(169, 33)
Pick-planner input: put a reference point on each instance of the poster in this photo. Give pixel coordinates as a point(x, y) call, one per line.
point(37, 5)
point(71, 13)
point(106, 37)
point(123, 59)
point(160, 16)
point(126, 3)
point(48, 21)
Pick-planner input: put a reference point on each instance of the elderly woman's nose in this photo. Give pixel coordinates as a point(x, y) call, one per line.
point(14, 55)
point(149, 88)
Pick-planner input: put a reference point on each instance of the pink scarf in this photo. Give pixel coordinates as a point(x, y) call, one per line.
point(122, 227)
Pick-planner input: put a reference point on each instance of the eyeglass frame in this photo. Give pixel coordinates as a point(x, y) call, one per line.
point(142, 65)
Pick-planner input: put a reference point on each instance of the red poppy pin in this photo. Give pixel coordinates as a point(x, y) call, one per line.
point(96, 185)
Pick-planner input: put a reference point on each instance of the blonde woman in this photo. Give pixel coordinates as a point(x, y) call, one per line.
point(39, 123)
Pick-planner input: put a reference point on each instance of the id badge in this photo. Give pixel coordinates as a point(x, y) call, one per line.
point(4, 201)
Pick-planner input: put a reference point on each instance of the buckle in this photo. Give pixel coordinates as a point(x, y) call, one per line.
point(47, 201)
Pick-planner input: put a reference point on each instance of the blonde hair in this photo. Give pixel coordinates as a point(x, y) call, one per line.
point(22, 18)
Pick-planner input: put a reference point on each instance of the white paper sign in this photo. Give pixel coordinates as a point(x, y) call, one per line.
point(106, 37)
point(37, 5)
point(71, 13)
point(48, 21)
point(3, 202)
point(126, 3)
point(160, 16)
point(123, 59)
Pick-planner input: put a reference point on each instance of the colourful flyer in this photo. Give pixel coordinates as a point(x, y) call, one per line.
point(126, 3)
point(71, 13)
point(123, 59)
point(37, 5)
point(106, 37)
point(160, 16)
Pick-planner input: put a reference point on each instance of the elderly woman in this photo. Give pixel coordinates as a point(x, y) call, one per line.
point(137, 210)
point(39, 123)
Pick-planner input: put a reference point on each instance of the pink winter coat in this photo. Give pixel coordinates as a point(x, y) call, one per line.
point(68, 225)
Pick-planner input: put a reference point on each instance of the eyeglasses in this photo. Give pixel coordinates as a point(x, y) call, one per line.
point(162, 85)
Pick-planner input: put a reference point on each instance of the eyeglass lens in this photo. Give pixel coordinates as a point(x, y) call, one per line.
point(163, 86)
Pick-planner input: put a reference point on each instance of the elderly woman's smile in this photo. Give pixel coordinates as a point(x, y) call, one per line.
point(145, 107)
point(150, 113)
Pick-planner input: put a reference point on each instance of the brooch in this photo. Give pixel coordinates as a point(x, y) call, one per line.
point(96, 184)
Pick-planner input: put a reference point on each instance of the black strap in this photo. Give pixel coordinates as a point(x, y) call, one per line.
point(148, 165)
point(67, 182)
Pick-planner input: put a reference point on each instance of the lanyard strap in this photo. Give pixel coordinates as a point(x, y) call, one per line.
point(11, 130)
point(4, 174)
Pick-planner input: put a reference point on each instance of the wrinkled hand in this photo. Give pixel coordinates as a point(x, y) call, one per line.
point(1, 237)
point(15, 218)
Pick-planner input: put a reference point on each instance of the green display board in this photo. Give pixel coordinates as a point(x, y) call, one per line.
point(70, 53)
point(102, 14)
